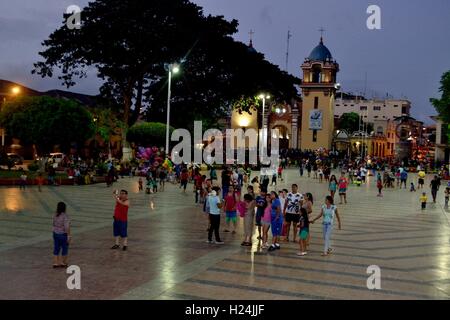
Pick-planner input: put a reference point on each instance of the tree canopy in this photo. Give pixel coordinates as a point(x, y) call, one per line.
point(130, 43)
point(46, 121)
point(350, 122)
point(442, 105)
point(148, 134)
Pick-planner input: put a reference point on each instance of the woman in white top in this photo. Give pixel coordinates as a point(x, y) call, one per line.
point(328, 212)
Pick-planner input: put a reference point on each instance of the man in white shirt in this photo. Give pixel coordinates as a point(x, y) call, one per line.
point(215, 205)
point(291, 210)
point(363, 174)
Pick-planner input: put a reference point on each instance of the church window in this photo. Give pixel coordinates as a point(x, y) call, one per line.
point(316, 102)
point(317, 74)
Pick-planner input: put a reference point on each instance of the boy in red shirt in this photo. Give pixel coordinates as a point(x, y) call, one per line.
point(231, 201)
point(120, 225)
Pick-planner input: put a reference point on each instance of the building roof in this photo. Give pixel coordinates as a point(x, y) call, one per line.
point(5, 88)
point(320, 53)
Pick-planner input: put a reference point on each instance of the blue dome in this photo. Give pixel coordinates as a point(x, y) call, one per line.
point(320, 53)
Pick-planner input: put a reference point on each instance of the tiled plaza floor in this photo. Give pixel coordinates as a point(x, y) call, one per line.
point(169, 259)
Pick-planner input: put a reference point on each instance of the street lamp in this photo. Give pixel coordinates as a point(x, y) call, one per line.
point(15, 90)
point(263, 97)
point(96, 130)
point(280, 111)
point(173, 69)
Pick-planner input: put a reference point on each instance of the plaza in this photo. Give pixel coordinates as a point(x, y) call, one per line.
point(169, 259)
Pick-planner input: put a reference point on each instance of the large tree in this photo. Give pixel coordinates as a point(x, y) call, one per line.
point(46, 122)
point(442, 105)
point(130, 42)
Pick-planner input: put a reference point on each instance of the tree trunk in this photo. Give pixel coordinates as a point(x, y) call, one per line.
point(138, 106)
point(126, 151)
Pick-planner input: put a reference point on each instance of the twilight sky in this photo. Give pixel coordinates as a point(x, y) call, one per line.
point(406, 58)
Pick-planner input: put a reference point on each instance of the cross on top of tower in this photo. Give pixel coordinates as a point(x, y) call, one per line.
point(251, 33)
point(321, 30)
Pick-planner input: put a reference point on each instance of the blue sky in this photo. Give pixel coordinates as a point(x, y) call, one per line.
point(406, 58)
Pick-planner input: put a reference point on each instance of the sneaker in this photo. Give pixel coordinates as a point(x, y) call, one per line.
point(226, 230)
point(301, 254)
point(219, 242)
point(272, 248)
point(277, 246)
point(233, 232)
point(114, 247)
point(124, 248)
point(209, 241)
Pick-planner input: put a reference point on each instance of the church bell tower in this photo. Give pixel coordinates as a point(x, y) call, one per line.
point(319, 88)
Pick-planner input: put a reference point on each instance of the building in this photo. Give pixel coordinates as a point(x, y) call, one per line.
point(371, 110)
point(442, 150)
point(306, 124)
point(319, 88)
point(386, 129)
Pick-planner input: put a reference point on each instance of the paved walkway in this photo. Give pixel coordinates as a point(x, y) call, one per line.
point(169, 259)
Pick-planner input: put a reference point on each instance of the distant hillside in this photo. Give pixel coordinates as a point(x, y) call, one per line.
point(5, 88)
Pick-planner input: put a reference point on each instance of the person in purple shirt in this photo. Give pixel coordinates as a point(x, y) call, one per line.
point(61, 237)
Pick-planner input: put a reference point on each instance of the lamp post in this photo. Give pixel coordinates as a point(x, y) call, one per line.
point(96, 130)
point(173, 69)
point(263, 97)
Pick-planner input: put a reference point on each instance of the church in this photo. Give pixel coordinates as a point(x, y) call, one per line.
point(305, 124)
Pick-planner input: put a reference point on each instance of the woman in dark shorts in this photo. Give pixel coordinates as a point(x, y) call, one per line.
point(61, 236)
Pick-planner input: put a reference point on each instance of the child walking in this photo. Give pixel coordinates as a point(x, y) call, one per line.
point(303, 227)
point(230, 210)
point(332, 186)
point(423, 200)
point(140, 184)
point(379, 186)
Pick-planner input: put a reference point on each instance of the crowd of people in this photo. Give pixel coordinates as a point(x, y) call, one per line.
point(278, 215)
point(287, 214)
